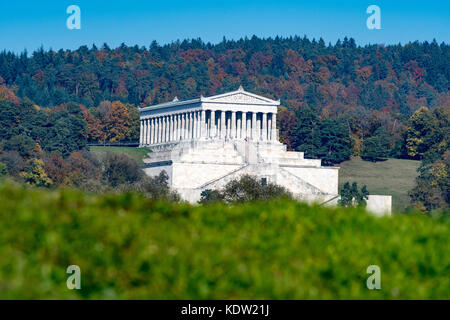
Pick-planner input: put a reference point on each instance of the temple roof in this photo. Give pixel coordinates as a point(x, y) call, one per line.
point(239, 96)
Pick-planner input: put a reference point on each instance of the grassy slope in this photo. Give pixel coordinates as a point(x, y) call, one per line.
point(129, 247)
point(136, 153)
point(394, 177)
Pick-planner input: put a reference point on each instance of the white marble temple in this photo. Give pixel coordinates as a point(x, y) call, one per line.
point(204, 143)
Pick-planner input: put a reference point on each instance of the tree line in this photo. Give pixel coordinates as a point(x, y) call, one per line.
point(338, 100)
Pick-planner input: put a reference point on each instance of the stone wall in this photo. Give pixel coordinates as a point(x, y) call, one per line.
point(379, 205)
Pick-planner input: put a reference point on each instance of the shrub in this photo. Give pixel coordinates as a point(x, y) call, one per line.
point(13, 161)
point(120, 169)
point(246, 188)
point(156, 188)
point(3, 169)
point(210, 196)
point(350, 195)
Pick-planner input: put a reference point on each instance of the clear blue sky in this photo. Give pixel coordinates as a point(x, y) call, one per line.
point(30, 23)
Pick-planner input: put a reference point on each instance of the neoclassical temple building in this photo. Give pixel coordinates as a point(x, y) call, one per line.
point(232, 116)
point(206, 142)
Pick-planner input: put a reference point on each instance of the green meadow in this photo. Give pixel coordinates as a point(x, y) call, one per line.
point(138, 154)
point(394, 177)
point(129, 247)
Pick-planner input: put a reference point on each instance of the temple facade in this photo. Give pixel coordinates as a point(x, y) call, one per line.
point(206, 142)
point(243, 116)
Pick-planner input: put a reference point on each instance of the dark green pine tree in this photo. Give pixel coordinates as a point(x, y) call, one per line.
point(307, 137)
point(377, 147)
point(336, 144)
point(351, 196)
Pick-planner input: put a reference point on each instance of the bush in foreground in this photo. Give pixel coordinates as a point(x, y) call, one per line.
point(128, 246)
point(244, 189)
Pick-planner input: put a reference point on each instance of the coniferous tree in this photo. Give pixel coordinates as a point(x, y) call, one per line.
point(377, 147)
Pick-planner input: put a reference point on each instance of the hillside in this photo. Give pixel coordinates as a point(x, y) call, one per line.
point(337, 101)
point(131, 248)
point(394, 177)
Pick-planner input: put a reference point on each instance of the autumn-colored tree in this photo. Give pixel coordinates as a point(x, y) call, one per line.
point(8, 95)
point(83, 167)
point(134, 128)
point(432, 190)
point(116, 122)
point(57, 169)
point(94, 127)
point(419, 133)
point(287, 122)
point(35, 174)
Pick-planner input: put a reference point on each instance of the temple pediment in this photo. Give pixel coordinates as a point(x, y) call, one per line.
point(240, 97)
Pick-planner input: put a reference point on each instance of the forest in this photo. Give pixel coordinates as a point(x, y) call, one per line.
point(338, 100)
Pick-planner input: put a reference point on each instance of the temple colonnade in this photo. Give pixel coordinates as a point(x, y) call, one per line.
point(208, 124)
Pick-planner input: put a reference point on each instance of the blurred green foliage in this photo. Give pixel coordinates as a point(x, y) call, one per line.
point(128, 246)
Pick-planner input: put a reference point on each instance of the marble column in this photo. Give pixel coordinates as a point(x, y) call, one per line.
point(191, 127)
point(144, 132)
point(258, 127)
point(147, 134)
point(274, 127)
point(179, 129)
point(148, 131)
point(233, 125)
point(141, 133)
point(168, 129)
point(238, 128)
point(144, 128)
point(222, 124)
point(175, 127)
point(172, 134)
point(199, 124)
point(212, 122)
point(188, 125)
point(155, 140)
point(181, 126)
point(264, 126)
point(152, 131)
point(155, 130)
point(161, 130)
point(254, 123)
point(244, 125)
point(203, 124)
point(194, 125)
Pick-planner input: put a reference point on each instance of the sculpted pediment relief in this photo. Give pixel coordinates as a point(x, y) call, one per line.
point(240, 96)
